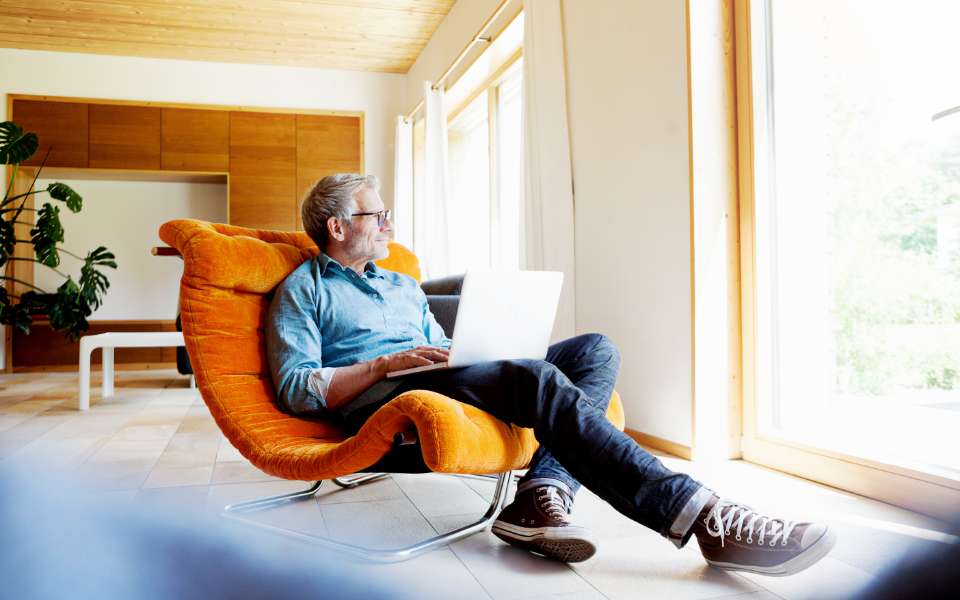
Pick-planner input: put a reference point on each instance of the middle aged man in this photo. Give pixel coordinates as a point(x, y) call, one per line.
point(338, 324)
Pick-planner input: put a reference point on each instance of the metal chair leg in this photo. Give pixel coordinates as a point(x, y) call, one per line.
point(385, 556)
point(352, 481)
point(261, 503)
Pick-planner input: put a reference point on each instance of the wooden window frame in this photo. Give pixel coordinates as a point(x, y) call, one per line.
point(913, 487)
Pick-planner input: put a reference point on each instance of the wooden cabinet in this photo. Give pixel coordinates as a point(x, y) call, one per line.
point(263, 169)
point(326, 145)
point(272, 158)
point(124, 137)
point(194, 139)
point(61, 127)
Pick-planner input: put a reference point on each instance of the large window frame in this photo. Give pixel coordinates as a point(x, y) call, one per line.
point(910, 486)
point(491, 86)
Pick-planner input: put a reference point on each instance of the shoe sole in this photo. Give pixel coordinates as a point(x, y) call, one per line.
point(567, 544)
point(806, 559)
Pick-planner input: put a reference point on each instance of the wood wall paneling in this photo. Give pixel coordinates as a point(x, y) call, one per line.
point(124, 137)
point(61, 127)
point(45, 347)
point(326, 145)
point(194, 140)
point(263, 170)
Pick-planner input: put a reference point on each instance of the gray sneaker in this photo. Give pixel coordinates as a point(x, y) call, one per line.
point(734, 537)
point(537, 520)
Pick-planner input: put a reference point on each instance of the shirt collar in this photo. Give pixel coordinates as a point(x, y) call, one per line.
point(325, 261)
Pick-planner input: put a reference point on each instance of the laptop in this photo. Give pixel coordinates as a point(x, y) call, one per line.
point(503, 315)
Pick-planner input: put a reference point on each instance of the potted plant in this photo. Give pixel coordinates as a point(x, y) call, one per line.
point(68, 307)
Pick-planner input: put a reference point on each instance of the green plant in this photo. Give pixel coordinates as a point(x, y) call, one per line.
point(73, 301)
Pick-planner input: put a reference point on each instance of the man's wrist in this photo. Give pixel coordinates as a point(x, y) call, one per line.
point(378, 367)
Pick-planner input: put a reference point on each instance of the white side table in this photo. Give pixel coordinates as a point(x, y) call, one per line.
point(109, 341)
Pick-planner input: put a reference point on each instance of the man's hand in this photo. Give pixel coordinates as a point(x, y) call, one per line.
point(420, 356)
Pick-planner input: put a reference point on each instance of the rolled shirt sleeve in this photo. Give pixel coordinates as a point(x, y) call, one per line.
point(320, 380)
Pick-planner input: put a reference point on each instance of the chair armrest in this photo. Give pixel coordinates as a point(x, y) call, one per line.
point(443, 286)
point(444, 308)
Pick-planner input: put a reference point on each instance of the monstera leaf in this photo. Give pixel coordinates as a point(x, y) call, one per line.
point(74, 301)
point(15, 145)
point(64, 193)
point(68, 311)
point(46, 234)
point(8, 240)
point(93, 283)
point(16, 315)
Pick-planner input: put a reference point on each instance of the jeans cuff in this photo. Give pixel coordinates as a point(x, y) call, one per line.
point(682, 525)
point(532, 483)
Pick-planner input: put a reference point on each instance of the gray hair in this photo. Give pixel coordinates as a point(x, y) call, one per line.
point(332, 196)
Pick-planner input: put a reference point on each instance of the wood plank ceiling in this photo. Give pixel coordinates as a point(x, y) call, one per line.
point(362, 35)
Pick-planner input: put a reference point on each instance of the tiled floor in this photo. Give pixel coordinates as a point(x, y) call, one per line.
point(154, 447)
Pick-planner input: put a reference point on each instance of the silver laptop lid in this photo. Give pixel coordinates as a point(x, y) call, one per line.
point(505, 315)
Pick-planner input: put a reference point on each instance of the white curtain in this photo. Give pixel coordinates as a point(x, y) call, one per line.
point(403, 184)
point(432, 233)
point(548, 204)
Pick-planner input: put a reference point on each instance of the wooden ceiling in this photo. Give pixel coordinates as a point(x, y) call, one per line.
point(362, 35)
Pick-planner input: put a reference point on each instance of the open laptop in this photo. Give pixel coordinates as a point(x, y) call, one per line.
point(502, 315)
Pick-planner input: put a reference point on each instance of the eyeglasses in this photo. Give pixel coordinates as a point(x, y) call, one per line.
point(382, 216)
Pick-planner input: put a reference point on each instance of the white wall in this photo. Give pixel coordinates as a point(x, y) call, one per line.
point(125, 216)
point(627, 103)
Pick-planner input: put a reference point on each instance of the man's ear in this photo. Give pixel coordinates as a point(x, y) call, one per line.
point(335, 229)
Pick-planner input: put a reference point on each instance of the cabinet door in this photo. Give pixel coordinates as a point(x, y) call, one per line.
point(326, 145)
point(263, 170)
point(194, 140)
point(124, 137)
point(61, 128)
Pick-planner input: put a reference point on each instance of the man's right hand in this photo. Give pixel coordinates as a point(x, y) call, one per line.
point(420, 356)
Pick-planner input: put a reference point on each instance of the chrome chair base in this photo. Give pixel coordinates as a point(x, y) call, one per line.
point(234, 511)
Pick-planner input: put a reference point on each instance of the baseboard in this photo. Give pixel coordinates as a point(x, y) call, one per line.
point(139, 366)
point(652, 441)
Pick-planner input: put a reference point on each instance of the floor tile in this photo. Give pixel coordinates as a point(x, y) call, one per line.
point(126, 450)
point(505, 571)
point(829, 579)
point(437, 495)
point(188, 501)
point(380, 524)
point(435, 574)
point(162, 476)
point(238, 472)
point(650, 563)
point(380, 489)
point(155, 447)
point(228, 453)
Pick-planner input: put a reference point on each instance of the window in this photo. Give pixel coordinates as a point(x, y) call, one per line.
point(856, 231)
point(485, 148)
point(484, 172)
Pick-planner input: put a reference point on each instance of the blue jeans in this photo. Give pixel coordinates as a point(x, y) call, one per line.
point(564, 399)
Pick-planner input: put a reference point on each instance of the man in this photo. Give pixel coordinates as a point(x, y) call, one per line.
point(338, 324)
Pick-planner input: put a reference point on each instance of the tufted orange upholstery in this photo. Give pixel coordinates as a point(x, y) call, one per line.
point(228, 275)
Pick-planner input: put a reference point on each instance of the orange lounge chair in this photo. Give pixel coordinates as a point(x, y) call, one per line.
point(228, 276)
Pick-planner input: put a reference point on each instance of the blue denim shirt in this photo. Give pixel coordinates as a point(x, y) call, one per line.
point(325, 315)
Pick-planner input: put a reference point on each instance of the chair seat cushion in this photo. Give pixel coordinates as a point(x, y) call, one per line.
point(229, 274)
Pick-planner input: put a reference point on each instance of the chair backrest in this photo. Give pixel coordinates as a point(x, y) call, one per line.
point(229, 274)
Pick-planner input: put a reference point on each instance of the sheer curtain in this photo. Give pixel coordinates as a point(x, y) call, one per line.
point(549, 203)
point(432, 238)
point(403, 183)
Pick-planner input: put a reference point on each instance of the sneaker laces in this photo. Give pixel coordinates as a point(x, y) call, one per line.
point(551, 502)
point(723, 514)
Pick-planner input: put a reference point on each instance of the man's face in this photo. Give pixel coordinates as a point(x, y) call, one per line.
point(365, 240)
